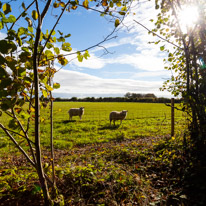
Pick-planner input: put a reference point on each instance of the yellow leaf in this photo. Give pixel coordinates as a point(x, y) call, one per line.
point(104, 3)
point(34, 15)
point(32, 109)
point(86, 3)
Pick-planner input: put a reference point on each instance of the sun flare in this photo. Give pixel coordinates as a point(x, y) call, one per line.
point(188, 17)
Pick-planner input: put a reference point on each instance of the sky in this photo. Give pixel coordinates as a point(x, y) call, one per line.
point(130, 65)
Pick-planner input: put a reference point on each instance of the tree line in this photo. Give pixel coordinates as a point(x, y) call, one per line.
point(128, 97)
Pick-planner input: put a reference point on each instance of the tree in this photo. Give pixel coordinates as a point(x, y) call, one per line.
point(27, 57)
point(187, 60)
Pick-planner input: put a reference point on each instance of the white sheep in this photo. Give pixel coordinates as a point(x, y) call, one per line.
point(76, 112)
point(117, 116)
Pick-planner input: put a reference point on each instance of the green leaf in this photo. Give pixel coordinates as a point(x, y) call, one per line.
point(56, 5)
point(60, 32)
point(61, 39)
point(56, 50)
point(68, 35)
point(86, 54)
point(7, 47)
point(56, 85)
point(79, 57)
point(119, 4)
point(23, 6)
point(66, 47)
point(34, 15)
point(6, 8)
point(116, 23)
point(53, 32)
point(44, 93)
point(1, 25)
point(49, 45)
point(49, 54)
point(111, 4)
point(162, 48)
point(30, 29)
point(11, 19)
point(22, 31)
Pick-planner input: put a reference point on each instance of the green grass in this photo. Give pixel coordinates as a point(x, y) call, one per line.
point(137, 163)
point(143, 120)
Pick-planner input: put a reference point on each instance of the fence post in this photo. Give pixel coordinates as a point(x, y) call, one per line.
point(172, 118)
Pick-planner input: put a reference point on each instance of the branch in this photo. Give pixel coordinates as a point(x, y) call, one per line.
point(17, 145)
point(26, 135)
point(63, 10)
point(17, 134)
point(21, 14)
point(157, 35)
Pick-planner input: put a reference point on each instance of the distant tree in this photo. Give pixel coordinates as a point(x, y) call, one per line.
point(74, 99)
point(150, 96)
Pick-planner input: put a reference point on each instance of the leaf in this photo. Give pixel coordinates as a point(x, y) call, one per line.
point(44, 93)
point(111, 4)
point(6, 8)
point(79, 57)
point(62, 4)
point(56, 50)
point(86, 54)
point(86, 4)
point(49, 54)
point(104, 3)
point(68, 35)
point(56, 85)
point(49, 45)
point(116, 23)
point(11, 19)
point(60, 32)
point(7, 47)
point(18, 110)
point(62, 60)
point(56, 5)
point(119, 4)
point(32, 109)
point(29, 21)
point(162, 48)
point(34, 15)
point(23, 6)
point(66, 47)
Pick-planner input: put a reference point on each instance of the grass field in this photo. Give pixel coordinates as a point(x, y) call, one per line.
point(143, 120)
point(136, 163)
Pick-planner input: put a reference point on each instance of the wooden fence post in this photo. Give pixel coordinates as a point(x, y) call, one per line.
point(172, 118)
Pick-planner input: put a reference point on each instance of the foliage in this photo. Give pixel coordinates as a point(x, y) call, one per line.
point(186, 60)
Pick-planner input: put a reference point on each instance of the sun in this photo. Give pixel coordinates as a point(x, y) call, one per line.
point(188, 17)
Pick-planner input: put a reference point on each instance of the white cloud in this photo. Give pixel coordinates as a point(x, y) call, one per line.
point(2, 35)
point(78, 84)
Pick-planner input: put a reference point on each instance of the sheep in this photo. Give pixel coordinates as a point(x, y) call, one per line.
point(76, 112)
point(117, 116)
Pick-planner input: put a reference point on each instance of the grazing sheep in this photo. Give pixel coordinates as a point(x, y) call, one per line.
point(76, 112)
point(117, 116)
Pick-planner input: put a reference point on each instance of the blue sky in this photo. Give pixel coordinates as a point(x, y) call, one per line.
point(132, 65)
